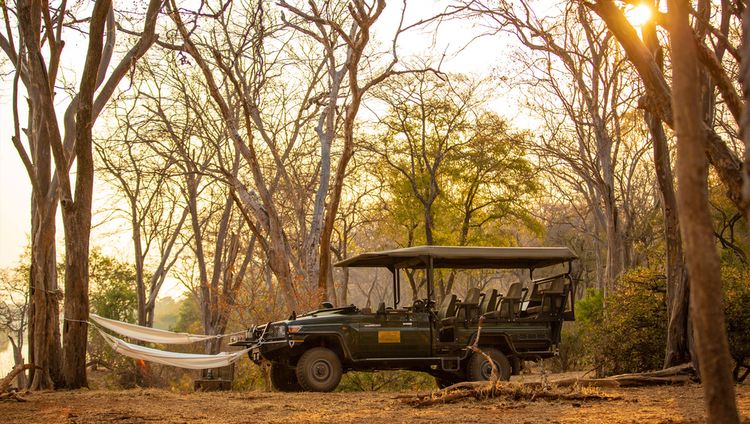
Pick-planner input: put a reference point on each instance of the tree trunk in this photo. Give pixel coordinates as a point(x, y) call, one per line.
point(44, 315)
point(696, 226)
point(77, 213)
point(678, 347)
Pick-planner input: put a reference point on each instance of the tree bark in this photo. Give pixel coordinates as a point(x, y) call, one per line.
point(77, 213)
point(697, 228)
point(678, 302)
point(745, 123)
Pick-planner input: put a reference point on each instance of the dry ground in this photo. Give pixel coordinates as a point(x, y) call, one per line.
point(673, 404)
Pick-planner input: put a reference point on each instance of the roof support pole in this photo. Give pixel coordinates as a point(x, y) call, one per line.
point(430, 278)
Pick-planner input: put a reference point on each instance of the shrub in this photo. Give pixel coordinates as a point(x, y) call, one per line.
point(737, 315)
point(626, 331)
point(571, 352)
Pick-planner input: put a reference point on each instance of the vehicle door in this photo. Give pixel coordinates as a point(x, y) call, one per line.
point(394, 334)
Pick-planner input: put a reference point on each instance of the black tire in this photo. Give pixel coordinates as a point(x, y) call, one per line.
point(479, 368)
point(319, 370)
point(284, 379)
point(516, 365)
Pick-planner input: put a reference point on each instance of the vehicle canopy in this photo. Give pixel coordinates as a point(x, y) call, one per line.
point(463, 257)
point(458, 257)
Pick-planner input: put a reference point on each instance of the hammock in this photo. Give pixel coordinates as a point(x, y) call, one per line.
point(146, 334)
point(191, 361)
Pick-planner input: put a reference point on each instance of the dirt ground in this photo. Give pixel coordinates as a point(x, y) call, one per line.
point(671, 404)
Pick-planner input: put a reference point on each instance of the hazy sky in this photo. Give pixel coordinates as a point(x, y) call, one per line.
point(479, 58)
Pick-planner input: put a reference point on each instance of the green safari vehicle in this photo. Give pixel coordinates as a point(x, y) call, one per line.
point(311, 351)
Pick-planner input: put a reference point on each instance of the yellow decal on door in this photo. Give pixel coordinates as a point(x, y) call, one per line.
point(389, 336)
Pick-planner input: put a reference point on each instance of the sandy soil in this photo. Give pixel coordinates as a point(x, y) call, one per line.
point(673, 404)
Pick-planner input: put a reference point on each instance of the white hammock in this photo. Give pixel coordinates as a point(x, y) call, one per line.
point(146, 334)
point(182, 360)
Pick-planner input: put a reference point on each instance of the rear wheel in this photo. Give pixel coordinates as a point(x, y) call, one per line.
point(284, 379)
point(479, 368)
point(319, 370)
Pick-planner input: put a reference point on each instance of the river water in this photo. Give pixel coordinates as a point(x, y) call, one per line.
point(6, 357)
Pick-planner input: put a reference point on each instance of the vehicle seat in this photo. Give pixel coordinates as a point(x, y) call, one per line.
point(472, 296)
point(469, 308)
point(551, 298)
point(510, 305)
point(448, 307)
point(490, 302)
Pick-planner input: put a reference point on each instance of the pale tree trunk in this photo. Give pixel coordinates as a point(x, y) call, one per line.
point(696, 225)
point(44, 339)
point(678, 346)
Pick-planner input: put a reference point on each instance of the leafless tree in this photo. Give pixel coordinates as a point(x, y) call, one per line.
point(33, 41)
point(14, 308)
point(332, 94)
point(155, 213)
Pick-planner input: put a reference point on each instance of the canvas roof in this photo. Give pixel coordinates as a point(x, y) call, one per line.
point(463, 257)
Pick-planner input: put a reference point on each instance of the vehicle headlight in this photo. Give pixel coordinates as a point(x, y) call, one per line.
point(277, 331)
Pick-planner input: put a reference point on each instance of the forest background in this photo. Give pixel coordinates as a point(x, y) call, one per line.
point(238, 149)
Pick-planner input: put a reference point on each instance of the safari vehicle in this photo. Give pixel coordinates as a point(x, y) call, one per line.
point(311, 351)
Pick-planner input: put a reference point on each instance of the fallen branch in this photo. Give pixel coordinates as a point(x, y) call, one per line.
point(5, 382)
point(680, 374)
point(530, 391)
point(510, 391)
point(5, 393)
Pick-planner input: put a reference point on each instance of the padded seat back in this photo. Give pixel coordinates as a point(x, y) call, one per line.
point(557, 286)
point(514, 291)
point(472, 296)
point(448, 307)
point(510, 304)
point(490, 302)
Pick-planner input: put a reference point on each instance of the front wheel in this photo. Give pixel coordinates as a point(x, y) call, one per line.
point(479, 368)
point(319, 370)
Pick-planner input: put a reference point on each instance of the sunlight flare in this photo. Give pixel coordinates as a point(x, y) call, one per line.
point(639, 15)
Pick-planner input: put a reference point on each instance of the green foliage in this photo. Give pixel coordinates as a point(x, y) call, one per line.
point(112, 283)
point(578, 343)
point(737, 315)
point(166, 312)
point(442, 156)
point(111, 295)
point(189, 317)
point(591, 307)
point(571, 354)
point(624, 332)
